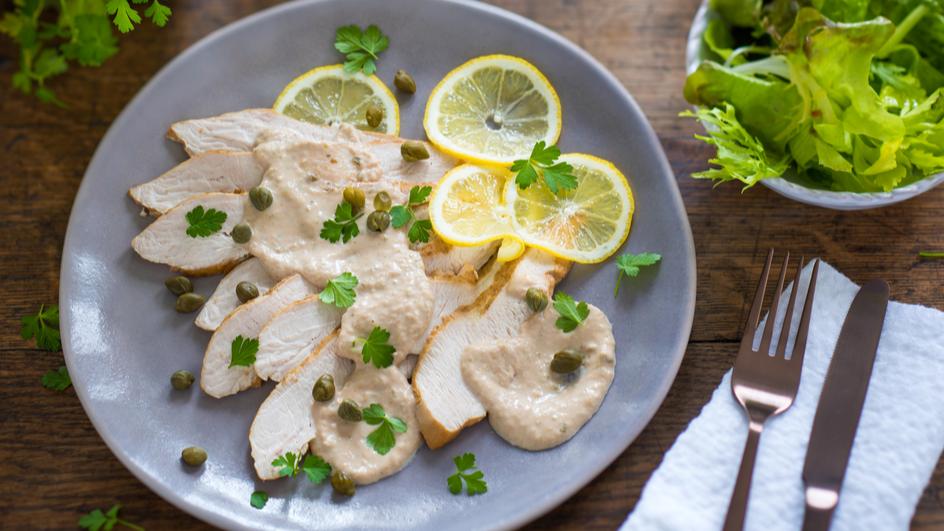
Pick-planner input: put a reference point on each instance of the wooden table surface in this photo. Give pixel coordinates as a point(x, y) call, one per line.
point(55, 467)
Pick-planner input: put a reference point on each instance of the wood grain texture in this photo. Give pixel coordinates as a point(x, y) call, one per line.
point(55, 467)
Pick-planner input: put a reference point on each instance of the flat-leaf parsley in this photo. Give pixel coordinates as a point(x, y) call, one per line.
point(202, 223)
point(629, 264)
point(99, 521)
point(571, 313)
point(243, 351)
point(401, 215)
point(43, 327)
point(57, 380)
point(360, 47)
point(383, 439)
point(557, 175)
point(339, 291)
point(376, 348)
point(344, 225)
point(474, 480)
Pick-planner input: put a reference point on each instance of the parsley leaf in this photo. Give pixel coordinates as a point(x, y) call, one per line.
point(571, 313)
point(360, 47)
point(383, 439)
point(44, 327)
point(474, 481)
point(376, 348)
point(158, 13)
point(402, 215)
point(629, 264)
point(125, 15)
point(316, 468)
point(259, 499)
point(99, 521)
point(339, 291)
point(243, 352)
point(57, 380)
point(344, 225)
point(203, 223)
point(287, 465)
point(557, 176)
point(92, 40)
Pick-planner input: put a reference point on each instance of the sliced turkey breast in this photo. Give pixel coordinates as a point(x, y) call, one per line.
point(445, 405)
point(213, 171)
point(165, 241)
point(284, 422)
point(224, 299)
point(292, 334)
point(442, 259)
point(218, 378)
point(242, 131)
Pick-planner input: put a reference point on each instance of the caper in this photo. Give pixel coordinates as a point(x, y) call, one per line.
point(378, 221)
point(241, 233)
point(413, 150)
point(355, 196)
point(404, 82)
point(181, 380)
point(382, 201)
point(349, 410)
point(179, 285)
point(341, 483)
point(566, 361)
point(246, 291)
point(324, 388)
point(374, 115)
point(261, 197)
point(537, 299)
point(189, 302)
point(194, 455)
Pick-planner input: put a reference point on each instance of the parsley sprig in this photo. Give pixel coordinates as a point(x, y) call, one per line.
point(557, 175)
point(51, 34)
point(571, 312)
point(57, 380)
point(629, 264)
point(99, 521)
point(382, 439)
point(258, 499)
point(204, 222)
point(474, 480)
point(376, 348)
point(315, 468)
point(43, 327)
point(402, 215)
point(344, 225)
point(339, 291)
point(361, 48)
point(243, 351)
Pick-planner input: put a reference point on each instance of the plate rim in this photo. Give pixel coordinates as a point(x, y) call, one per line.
point(522, 517)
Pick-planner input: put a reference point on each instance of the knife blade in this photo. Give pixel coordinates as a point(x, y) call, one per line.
point(840, 404)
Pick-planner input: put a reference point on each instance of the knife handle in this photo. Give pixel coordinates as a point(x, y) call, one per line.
point(817, 519)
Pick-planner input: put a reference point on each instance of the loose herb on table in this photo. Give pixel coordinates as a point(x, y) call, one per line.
point(43, 327)
point(99, 521)
point(57, 380)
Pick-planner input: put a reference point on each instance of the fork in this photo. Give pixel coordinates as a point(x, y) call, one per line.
point(764, 384)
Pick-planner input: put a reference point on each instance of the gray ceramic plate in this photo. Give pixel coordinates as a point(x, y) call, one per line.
point(122, 339)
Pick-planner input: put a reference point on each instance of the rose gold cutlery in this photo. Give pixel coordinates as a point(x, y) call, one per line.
point(840, 404)
point(764, 384)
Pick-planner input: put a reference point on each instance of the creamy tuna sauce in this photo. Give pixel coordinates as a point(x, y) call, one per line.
point(306, 179)
point(343, 443)
point(529, 405)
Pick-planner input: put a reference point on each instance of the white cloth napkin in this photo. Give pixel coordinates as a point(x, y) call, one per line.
point(897, 445)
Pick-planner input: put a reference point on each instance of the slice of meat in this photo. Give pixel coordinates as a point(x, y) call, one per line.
point(445, 405)
point(224, 300)
point(213, 171)
point(284, 422)
point(440, 258)
point(217, 378)
point(242, 131)
point(165, 241)
point(292, 334)
point(344, 443)
point(528, 404)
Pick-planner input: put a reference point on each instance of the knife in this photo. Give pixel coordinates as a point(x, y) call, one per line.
point(840, 404)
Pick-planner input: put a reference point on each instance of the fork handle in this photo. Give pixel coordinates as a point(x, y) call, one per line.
point(737, 508)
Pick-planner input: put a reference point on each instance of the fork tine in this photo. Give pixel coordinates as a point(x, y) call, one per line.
point(753, 319)
point(788, 317)
point(799, 345)
point(772, 314)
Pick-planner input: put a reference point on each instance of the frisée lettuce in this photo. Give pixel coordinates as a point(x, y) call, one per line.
point(847, 93)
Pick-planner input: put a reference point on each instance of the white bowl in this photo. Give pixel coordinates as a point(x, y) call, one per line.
point(696, 52)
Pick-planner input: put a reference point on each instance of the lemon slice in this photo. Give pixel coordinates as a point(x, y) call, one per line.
point(492, 110)
point(510, 249)
point(466, 208)
point(586, 224)
point(328, 95)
